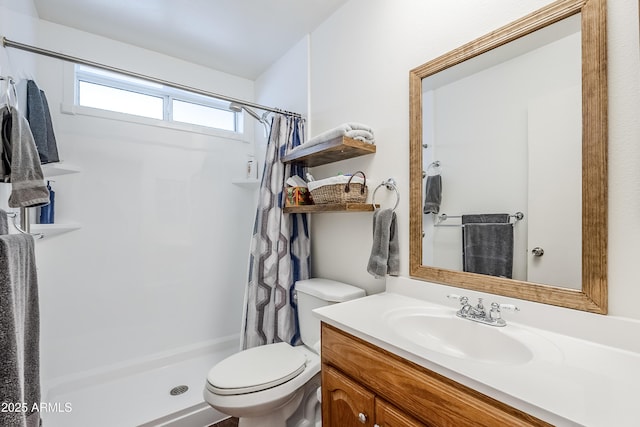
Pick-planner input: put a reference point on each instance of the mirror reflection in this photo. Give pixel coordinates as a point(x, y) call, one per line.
point(502, 144)
point(508, 158)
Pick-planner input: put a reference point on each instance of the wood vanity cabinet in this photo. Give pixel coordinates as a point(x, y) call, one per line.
point(349, 404)
point(364, 385)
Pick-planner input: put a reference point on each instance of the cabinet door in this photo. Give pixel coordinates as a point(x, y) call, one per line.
point(388, 415)
point(344, 402)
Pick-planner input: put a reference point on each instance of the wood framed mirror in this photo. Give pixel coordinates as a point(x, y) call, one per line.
point(591, 294)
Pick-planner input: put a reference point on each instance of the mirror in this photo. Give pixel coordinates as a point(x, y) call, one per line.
point(540, 150)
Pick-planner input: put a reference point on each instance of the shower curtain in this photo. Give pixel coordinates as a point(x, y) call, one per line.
point(279, 248)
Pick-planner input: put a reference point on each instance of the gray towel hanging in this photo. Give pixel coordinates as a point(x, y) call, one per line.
point(20, 330)
point(40, 123)
point(385, 251)
point(433, 194)
point(487, 244)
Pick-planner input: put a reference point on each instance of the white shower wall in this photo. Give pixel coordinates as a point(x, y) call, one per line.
point(159, 264)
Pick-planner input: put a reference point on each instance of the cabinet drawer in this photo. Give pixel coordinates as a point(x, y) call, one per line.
point(388, 415)
point(428, 396)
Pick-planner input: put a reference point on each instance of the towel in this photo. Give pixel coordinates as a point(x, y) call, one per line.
point(488, 245)
point(19, 330)
point(433, 194)
point(385, 251)
point(485, 218)
point(4, 222)
point(352, 130)
point(27, 182)
point(39, 118)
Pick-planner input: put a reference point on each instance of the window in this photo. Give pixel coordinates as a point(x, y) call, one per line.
point(111, 91)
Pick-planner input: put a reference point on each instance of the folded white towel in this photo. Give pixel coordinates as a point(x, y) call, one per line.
point(353, 130)
point(296, 181)
point(339, 179)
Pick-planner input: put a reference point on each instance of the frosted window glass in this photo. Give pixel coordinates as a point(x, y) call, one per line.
point(188, 112)
point(123, 101)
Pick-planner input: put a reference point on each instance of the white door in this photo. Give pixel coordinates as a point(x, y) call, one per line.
point(555, 190)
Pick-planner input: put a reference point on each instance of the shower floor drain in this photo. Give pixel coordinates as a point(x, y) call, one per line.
point(177, 390)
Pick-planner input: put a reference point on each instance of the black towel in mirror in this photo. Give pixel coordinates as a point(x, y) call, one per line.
point(487, 244)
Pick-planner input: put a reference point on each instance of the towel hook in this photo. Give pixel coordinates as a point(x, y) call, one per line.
point(435, 165)
point(389, 184)
point(11, 88)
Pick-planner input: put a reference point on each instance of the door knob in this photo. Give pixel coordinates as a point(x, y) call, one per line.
point(362, 418)
point(537, 251)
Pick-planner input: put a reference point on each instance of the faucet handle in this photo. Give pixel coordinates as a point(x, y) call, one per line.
point(508, 307)
point(463, 300)
point(494, 314)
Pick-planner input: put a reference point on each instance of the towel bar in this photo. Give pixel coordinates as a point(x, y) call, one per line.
point(518, 216)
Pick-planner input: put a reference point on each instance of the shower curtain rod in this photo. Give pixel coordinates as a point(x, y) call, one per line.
point(33, 49)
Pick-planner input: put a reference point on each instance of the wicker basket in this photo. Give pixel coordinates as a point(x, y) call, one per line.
point(349, 192)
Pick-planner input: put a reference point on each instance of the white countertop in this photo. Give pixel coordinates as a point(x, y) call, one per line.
point(569, 381)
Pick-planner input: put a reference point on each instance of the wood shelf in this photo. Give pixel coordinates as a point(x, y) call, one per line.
point(338, 207)
point(334, 150)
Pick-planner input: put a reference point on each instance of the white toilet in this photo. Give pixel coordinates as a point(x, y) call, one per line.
point(276, 385)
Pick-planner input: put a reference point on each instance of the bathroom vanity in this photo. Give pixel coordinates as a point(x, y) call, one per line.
point(366, 385)
point(404, 358)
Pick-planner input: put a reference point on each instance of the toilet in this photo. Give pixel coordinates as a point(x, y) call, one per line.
point(276, 385)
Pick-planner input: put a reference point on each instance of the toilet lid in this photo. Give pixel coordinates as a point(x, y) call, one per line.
point(256, 369)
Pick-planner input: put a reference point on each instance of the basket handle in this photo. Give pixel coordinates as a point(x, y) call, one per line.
point(346, 187)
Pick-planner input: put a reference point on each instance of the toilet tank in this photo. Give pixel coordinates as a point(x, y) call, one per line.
point(315, 293)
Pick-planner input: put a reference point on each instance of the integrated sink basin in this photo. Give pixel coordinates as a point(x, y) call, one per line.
point(567, 380)
point(439, 330)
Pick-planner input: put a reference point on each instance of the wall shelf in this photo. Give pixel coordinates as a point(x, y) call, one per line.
point(338, 207)
point(50, 230)
point(246, 183)
point(59, 168)
point(51, 170)
point(334, 150)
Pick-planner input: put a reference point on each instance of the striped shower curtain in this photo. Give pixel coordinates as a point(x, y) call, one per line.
point(279, 248)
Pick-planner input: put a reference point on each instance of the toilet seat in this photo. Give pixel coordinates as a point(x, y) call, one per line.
point(256, 369)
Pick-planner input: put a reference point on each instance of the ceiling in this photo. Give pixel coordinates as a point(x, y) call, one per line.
point(240, 37)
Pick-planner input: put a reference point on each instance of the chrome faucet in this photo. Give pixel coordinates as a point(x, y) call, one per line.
point(479, 314)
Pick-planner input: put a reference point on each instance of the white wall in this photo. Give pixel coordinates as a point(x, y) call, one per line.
point(360, 59)
point(18, 21)
point(284, 85)
point(160, 262)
